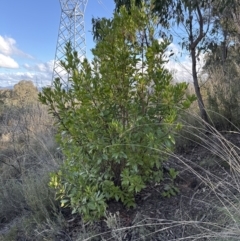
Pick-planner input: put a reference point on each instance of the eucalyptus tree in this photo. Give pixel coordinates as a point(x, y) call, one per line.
point(222, 64)
point(228, 12)
point(227, 21)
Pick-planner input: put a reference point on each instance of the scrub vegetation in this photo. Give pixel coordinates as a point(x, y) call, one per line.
point(124, 152)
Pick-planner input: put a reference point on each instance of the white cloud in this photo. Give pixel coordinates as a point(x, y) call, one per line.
point(39, 79)
point(40, 67)
point(40, 74)
point(8, 62)
point(173, 48)
point(7, 50)
point(181, 66)
point(7, 45)
point(26, 66)
point(181, 69)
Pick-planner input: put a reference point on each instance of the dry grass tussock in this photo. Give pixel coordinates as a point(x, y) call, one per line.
point(27, 156)
point(215, 200)
point(29, 211)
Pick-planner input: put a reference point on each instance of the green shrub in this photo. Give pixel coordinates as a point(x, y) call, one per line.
point(116, 117)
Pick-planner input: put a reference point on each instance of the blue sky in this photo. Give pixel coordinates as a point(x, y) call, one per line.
point(28, 38)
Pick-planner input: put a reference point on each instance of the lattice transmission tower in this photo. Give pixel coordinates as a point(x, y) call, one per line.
point(71, 29)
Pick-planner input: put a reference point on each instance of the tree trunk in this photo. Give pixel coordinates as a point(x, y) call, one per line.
point(192, 47)
point(201, 106)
